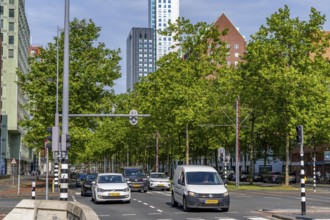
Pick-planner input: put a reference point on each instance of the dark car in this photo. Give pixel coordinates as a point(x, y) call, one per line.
point(270, 177)
point(136, 178)
point(86, 185)
point(281, 178)
point(80, 178)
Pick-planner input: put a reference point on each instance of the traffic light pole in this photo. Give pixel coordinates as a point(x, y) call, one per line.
point(65, 111)
point(300, 140)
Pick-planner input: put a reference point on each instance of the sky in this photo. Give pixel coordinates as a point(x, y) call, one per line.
point(117, 17)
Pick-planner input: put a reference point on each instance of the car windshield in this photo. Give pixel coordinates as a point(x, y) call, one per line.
point(82, 176)
point(90, 177)
point(134, 172)
point(203, 178)
point(111, 179)
point(157, 175)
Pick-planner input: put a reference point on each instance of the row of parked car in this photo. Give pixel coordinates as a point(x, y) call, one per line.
point(269, 177)
point(118, 186)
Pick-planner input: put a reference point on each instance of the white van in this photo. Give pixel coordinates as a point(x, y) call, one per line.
point(196, 186)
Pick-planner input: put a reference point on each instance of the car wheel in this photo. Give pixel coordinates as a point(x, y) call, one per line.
point(173, 202)
point(129, 201)
point(225, 209)
point(185, 205)
point(142, 190)
point(82, 193)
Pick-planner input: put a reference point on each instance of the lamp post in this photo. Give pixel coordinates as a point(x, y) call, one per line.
point(65, 111)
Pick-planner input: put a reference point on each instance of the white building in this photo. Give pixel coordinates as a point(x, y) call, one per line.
point(160, 13)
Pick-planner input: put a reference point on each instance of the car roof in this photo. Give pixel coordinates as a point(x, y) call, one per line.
point(189, 168)
point(106, 174)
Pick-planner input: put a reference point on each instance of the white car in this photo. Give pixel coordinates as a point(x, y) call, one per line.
point(158, 180)
point(110, 187)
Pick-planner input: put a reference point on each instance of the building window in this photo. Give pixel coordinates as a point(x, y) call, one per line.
point(11, 40)
point(1, 10)
point(11, 2)
point(11, 53)
point(1, 25)
point(11, 26)
point(236, 54)
point(11, 13)
point(236, 46)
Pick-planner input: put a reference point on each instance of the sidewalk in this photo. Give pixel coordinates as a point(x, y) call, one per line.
point(8, 190)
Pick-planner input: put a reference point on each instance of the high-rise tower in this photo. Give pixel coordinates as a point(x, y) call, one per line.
point(15, 34)
point(140, 56)
point(160, 13)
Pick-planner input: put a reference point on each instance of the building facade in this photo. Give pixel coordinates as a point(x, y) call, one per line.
point(140, 56)
point(160, 13)
point(235, 41)
point(15, 34)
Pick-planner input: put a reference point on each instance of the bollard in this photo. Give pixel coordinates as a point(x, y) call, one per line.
point(33, 190)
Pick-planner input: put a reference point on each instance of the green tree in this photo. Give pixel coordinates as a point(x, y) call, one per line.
point(92, 68)
point(285, 79)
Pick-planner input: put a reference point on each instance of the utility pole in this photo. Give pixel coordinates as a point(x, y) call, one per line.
point(187, 145)
point(65, 111)
point(157, 151)
point(237, 142)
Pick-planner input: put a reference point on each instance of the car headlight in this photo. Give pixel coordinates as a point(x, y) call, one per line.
point(100, 190)
point(193, 194)
point(226, 194)
point(126, 189)
point(144, 179)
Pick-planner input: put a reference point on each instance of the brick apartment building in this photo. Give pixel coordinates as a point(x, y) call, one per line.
point(234, 39)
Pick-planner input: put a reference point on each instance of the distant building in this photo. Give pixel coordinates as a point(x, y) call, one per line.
point(160, 13)
point(140, 46)
point(234, 39)
point(15, 34)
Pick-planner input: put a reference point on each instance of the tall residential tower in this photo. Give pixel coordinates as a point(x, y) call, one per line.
point(140, 56)
point(15, 34)
point(160, 13)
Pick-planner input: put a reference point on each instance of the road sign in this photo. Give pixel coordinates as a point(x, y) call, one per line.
point(64, 154)
point(133, 119)
point(56, 154)
point(13, 162)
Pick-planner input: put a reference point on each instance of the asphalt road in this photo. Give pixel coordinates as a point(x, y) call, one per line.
point(155, 205)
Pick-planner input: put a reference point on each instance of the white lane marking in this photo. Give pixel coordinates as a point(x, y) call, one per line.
point(152, 206)
point(196, 218)
point(128, 214)
point(134, 199)
point(139, 201)
point(74, 199)
point(224, 218)
point(103, 215)
point(154, 213)
point(145, 203)
point(256, 218)
point(159, 210)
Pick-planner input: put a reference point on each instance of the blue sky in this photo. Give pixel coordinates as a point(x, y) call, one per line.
point(117, 17)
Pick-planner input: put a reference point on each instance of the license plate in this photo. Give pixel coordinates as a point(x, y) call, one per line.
point(114, 194)
point(211, 201)
point(161, 184)
point(136, 185)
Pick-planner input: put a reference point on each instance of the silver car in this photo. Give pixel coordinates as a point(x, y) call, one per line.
point(110, 187)
point(158, 180)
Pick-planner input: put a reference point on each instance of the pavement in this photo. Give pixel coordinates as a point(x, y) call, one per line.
point(10, 190)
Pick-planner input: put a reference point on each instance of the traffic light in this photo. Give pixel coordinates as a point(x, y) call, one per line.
point(67, 140)
point(53, 138)
point(300, 134)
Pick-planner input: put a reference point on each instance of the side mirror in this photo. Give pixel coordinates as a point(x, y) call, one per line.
point(93, 183)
